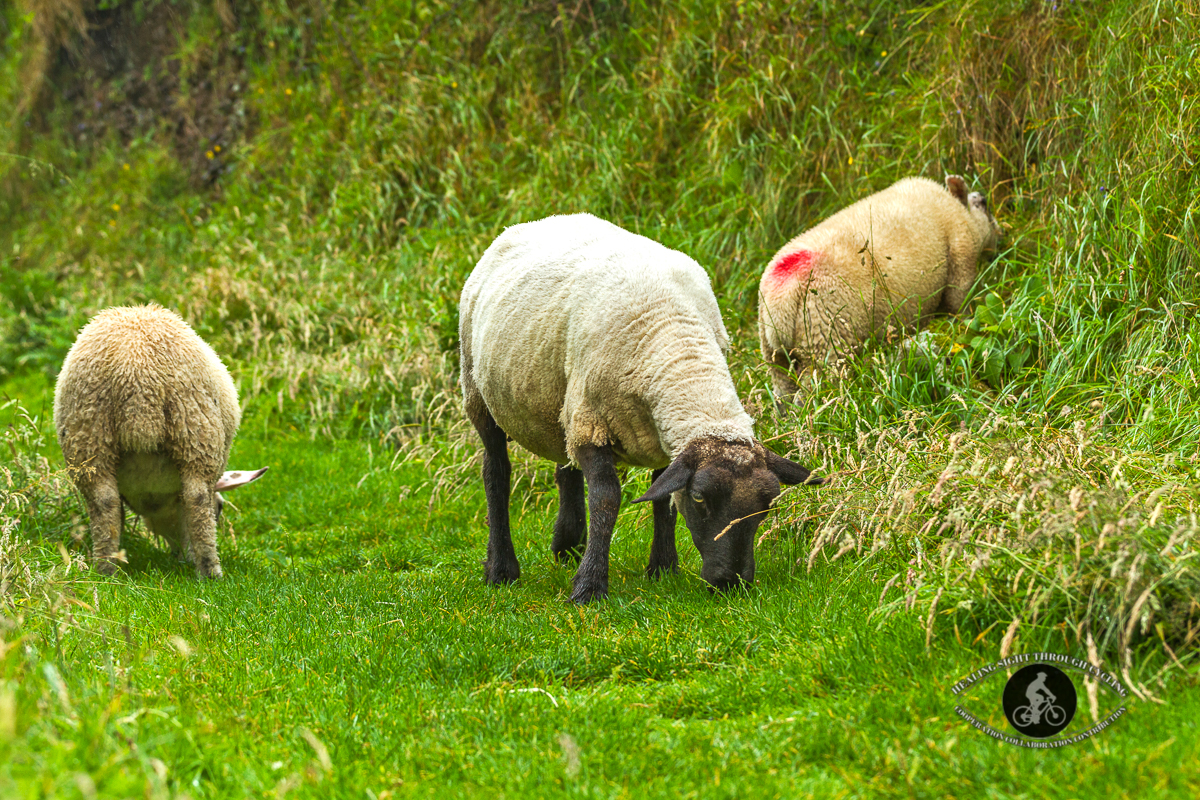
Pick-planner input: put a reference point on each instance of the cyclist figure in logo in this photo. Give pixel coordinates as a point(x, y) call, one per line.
point(1039, 700)
point(1039, 696)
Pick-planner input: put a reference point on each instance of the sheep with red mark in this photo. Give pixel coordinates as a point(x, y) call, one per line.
point(146, 413)
point(891, 260)
point(589, 345)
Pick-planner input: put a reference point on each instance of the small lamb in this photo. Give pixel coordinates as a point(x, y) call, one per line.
point(588, 345)
point(892, 259)
point(146, 414)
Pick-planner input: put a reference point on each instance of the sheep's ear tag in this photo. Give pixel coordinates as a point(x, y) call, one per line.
point(232, 480)
point(675, 477)
point(957, 187)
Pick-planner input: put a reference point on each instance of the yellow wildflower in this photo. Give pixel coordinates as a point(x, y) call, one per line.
point(116, 206)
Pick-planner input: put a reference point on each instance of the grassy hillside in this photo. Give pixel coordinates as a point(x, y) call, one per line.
point(309, 183)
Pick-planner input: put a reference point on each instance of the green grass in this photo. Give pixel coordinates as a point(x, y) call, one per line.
point(309, 183)
point(354, 648)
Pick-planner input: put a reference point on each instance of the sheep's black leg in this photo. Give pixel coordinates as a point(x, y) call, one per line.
point(501, 565)
point(571, 525)
point(663, 557)
point(604, 500)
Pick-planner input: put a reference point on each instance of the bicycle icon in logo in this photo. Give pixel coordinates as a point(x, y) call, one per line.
point(1026, 716)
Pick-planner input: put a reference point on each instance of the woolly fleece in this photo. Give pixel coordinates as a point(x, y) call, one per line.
point(575, 331)
point(144, 404)
point(892, 259)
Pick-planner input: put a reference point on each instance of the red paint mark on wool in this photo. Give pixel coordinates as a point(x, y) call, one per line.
point(792, 266)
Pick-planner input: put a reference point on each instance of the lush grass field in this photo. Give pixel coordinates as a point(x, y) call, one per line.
point(310, 181)
point(353, 650)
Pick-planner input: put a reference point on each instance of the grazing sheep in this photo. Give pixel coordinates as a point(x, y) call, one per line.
point(588, 345)
point(890, 260)
point(146, 413)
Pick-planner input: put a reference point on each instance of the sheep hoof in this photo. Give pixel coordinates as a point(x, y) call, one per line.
point(568, 555)
point(212, 572)
point(587, 594)
point(655, 571)
point(501, 573)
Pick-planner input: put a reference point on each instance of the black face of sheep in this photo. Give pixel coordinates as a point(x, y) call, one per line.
point(724, 489)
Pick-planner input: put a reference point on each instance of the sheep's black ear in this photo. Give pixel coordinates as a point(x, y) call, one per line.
point(675, 478)
point(957, 187)
point(789, 472)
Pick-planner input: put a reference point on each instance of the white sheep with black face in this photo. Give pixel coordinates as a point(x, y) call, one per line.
point(588, 345)
point(146, 413)
point(890, 260)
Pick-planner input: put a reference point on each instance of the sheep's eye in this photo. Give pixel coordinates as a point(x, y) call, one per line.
point(697, 497)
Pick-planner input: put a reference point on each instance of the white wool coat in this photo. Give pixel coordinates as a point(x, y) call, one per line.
point(576, 332)
point(890, 260)
point(140, 381)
